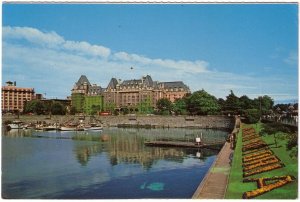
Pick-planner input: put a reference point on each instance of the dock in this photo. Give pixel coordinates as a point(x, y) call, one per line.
point(214, 185)
point(184, 144)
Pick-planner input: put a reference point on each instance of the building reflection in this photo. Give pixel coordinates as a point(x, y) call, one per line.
point(130, 149)
point(17, 133)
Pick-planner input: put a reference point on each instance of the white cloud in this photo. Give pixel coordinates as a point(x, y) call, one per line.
point(182, 65)
point(53, 40)
point(52, 65)
point(86, 49)
point(32, 35)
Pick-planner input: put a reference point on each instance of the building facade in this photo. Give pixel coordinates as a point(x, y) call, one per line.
point(93, 104)
point(132, 96)
point(85, 97)
point(141, 95)
point(13, 98)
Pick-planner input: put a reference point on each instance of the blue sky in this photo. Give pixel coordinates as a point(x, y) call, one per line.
point(251, 49)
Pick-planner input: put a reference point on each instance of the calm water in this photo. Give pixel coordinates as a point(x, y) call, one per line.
point(75, 165)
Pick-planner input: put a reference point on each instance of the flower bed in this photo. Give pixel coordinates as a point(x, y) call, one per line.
point(255, 161)
point(263, 169)
point(252, 137)
point(261, 163)
point(255, 141)
point(250, 157)
point(254, 146)
point(254, 151)
point(266, 154)
point(263, 187)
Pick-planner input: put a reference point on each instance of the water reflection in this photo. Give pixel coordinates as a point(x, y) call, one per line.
point(130, 148)
point(86, 165)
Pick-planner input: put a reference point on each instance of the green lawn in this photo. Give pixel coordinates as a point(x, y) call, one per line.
point(236, 187)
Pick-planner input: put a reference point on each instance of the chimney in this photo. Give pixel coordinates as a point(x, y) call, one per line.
point(15, 83)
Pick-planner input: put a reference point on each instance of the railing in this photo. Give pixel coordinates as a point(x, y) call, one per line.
point(291, 121)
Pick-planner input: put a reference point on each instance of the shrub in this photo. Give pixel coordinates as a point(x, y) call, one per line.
point(294, 152)
point(252, 116)
point(293, 141)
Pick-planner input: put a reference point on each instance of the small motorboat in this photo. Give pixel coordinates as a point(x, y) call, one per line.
point(50, 127)
point(93, 126)
point(17, 125)
point(68, 128)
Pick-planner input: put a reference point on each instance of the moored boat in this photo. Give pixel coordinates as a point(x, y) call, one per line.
point(68, 128)
point(17, 125)
point(93, 127)
point(51, 127)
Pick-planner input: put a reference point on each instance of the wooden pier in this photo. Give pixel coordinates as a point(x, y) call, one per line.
point(184, 144)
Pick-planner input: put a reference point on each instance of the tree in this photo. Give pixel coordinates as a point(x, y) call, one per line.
point(245, 102)
point(202, 103)
point(95, 109)
point(252, 116)
point(35, 106)
point(180, 106)
point(232, 102)
point(266, 103)
point(222, 103)
point(58, 109)
point(145, 106)
point(73, 110)
point(164, 106)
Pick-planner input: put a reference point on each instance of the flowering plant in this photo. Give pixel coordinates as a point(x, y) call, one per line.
point(259, 154)
point(261, 163)
point(263, 187)
point(254, 146)
point(262, 169)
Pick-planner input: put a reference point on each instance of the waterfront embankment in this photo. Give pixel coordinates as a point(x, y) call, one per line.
point(155, 121)
point(215, 182)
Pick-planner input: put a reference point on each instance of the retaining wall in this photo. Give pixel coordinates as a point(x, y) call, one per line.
point(219, 122)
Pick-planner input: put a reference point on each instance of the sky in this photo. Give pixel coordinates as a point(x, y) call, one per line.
point(251, 49)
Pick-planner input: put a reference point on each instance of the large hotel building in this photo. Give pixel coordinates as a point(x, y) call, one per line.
point(13, 98)
point(128, 94)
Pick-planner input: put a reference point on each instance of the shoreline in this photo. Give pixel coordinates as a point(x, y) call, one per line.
point(137, 121)
point(214, 184)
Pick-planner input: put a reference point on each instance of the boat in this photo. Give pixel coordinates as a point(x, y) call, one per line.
point(93, 126)
point(17, 125)
point(68, 128)
point(50, 127)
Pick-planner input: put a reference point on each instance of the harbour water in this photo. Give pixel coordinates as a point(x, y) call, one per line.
point(109, 164)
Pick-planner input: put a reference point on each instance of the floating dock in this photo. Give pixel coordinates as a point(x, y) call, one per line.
point(183, 144)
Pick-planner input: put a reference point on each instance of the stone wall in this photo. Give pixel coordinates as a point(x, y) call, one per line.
point(220, 122)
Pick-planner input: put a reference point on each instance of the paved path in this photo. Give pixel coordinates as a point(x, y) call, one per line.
point(214, 185)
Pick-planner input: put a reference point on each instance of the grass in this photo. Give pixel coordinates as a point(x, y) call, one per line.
point(236, 187)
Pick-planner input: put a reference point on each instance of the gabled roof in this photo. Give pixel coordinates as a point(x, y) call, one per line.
point(113, 83)
point(148, 80)
point(175, 84)
point(95, 90)
point(131, 82)
point(83, 79)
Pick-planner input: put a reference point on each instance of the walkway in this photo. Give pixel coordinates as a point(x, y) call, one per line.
point(214, 185)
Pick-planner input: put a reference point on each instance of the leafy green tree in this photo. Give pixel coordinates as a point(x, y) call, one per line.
point(202, 103)
point(110, 106)
point(73, 110)
point(95, 109)
point(58, 109)
point(266, 102)
point(145, 106)
point(252, 115)
point(164, 106)
point(245, 102)
point(35, 106)
point(232, 102)
point(180, 106)
point(222, 103)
